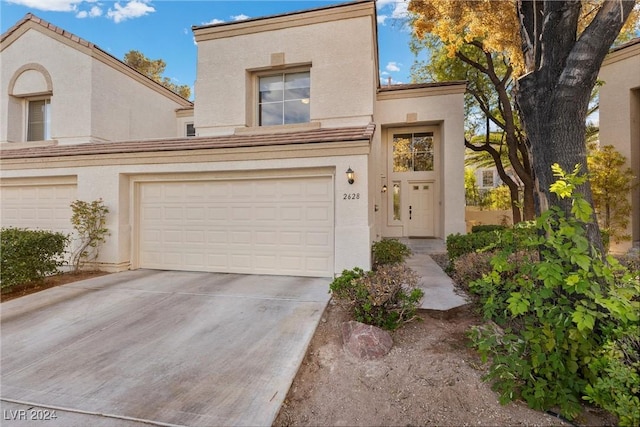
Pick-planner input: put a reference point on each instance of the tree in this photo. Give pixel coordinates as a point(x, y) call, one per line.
point(153, 68)
point(555, 49)
point(489, 77)
point(553, 95)
point(611, 184)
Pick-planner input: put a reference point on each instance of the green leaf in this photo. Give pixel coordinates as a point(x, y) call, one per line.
point(581, 209)
point(517, 303)
point(583, 319)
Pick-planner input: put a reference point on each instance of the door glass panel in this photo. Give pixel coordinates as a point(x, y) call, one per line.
point(396, 201)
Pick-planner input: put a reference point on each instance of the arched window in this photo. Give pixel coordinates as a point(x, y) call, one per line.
point(31, 91)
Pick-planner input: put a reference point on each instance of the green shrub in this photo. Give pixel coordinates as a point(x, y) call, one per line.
point(617, 387)
point(387, 297)
point(461, 244)
point(29, 255)
point(470, 267)
point(552, 318)
point(487, 227)
point(389, 251)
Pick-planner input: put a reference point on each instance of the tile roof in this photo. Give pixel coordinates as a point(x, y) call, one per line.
point(33, 18)
point(357, 133)
point(406, 86)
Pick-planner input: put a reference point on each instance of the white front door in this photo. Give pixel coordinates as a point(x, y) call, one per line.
point(421, 209)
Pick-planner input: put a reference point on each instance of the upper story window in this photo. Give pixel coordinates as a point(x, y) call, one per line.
point(190, 129)
point(39, 120)
point(284, 98)
point(413, 152)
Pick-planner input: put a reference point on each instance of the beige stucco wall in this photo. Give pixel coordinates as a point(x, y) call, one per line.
point(70, 72)
point(342, 79)
point(620, 119)
point(93, 96)
point(439, 107)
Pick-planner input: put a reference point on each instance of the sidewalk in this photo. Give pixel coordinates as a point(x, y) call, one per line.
point(439, 289)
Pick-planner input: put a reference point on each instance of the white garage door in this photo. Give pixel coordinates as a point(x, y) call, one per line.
point(38, 206)
point(261, 226)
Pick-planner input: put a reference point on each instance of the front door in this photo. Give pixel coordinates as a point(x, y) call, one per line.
point(421, 209)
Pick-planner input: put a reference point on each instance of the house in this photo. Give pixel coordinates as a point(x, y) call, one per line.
point(620, 120)
point(300, 159)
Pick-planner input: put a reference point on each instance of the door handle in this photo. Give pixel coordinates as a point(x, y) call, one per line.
point(409, 212)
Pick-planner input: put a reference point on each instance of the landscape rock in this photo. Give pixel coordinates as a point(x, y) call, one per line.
point(365, 341)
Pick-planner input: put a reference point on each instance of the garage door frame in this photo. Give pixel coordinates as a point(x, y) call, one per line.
point(223, 176)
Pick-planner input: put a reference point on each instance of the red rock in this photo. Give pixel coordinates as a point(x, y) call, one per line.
point(365, 341)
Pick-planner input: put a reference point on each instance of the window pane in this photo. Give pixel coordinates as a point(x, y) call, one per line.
point(296, 111)
point(297, 80)
point(271, 114)
point(37, 122)
point(402, 153)
point(293, 89)
point(396, 202)
point(271, 88)
point(423, 152)
point(300, 93)
point(191, 129)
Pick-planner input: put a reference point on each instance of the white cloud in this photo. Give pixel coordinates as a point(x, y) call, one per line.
point(49, 5)
point(381, 4)
point(384, 73)
point(94, 12)
point(213, 21)
point(397, 8)
point(240, 17)
point(400, 10)
point(392, 66)
point(133, 9)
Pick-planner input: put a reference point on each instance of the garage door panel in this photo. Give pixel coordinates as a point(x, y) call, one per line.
point(38, 206)
point(236, 228)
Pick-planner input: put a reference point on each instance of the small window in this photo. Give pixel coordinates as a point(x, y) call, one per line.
point(487, 179)
point(190, 129)
point(38, 120)
point(413, 152)
point(284, 99)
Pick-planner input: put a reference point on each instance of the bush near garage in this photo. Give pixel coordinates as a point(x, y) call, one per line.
point(386, 297)
point(29, 255)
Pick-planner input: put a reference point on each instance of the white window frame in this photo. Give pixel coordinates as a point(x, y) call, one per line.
point(47, 118)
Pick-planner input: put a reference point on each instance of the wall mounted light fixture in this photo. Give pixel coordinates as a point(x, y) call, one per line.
point(384, 188)
point(350, 175)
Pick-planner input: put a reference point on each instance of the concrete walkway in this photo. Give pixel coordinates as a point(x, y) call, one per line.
point(440, 293)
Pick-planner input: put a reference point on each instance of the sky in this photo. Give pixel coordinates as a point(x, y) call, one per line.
point(162, 28)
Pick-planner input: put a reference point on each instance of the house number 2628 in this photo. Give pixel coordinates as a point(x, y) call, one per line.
point(350, 196)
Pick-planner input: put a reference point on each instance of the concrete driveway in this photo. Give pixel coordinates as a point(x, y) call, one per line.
point(157, 347)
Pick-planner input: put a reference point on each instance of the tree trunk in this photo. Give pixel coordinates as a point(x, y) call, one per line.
point(553, 97)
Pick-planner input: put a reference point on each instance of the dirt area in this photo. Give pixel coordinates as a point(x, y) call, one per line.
point(430, 378)
point(48, 282)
